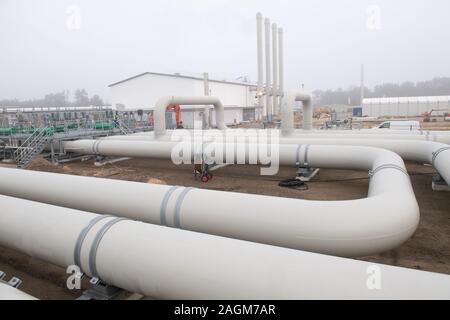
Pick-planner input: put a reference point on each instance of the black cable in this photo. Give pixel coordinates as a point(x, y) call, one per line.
point(294, 184)
point(316, 181)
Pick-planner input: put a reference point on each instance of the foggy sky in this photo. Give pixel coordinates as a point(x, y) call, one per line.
point(325, 42)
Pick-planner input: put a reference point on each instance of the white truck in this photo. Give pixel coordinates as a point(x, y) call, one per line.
point(399, 125)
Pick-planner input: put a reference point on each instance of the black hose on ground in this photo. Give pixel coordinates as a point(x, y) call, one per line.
point(293, 184)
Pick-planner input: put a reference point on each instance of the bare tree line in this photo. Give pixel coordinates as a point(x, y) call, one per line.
point(59, 99)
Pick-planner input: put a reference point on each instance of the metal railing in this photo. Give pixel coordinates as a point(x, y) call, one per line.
point(33, 146)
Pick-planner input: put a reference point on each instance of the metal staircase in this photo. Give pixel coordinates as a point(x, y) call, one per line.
point(124, 128)
point(33, 146)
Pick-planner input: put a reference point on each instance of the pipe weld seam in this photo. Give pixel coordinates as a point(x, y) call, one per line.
point(437, 153)
point(388, 166)
point(165, 201)
point(82, 236)
point(176, 215)
point(95, 244)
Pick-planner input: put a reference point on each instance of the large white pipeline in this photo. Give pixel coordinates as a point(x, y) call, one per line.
point(166, 263)
point(434, 153)
point(10, 293)
point(383, 221)
point(435, 136)
point(163, 102)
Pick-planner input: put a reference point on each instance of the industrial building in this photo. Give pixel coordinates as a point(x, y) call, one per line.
point(405, 106)
point(142, 91)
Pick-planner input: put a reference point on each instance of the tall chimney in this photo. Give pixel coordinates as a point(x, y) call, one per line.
point(281, 63)
point(268, 75)
point(259, 28)
point(275, 68)
point(206, 110)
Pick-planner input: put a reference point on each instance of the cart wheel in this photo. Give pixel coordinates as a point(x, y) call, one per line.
point(205, 178)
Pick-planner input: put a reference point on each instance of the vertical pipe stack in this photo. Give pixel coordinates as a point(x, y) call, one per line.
point(259, 30)
point(206, 111)
point(274, 87)
point(280, 66)
point(268, 71)
point(275, 68)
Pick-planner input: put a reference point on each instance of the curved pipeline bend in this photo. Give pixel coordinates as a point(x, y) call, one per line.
point(287, 112)
point(164, 102)
point(383, 221)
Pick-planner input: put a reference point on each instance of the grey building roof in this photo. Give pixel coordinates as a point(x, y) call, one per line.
point(247, 84)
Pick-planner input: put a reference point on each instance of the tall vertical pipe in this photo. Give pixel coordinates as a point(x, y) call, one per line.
point(275, 68)
point(259, 31)
point(281, 64)
point(206, 111)
point(362, 84)
point(268, 71)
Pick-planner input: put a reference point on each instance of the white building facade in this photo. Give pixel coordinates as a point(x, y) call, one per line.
point(142, 91)
point(405, 106)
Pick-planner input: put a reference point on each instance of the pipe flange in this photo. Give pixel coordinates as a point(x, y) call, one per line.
point(387, 166)
point(437, 153)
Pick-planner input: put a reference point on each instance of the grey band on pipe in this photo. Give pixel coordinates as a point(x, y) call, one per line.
point(95, 147)
point(82, 236)
point(438, 152)
point(176, 216)
point(306, 155)
point(94, 247)
point(297, 155)
point(388, 166)
point(163, 208)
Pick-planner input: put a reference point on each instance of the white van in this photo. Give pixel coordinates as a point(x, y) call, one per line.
point(400, 125)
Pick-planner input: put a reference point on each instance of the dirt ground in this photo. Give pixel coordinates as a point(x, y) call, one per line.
point(428, 249)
